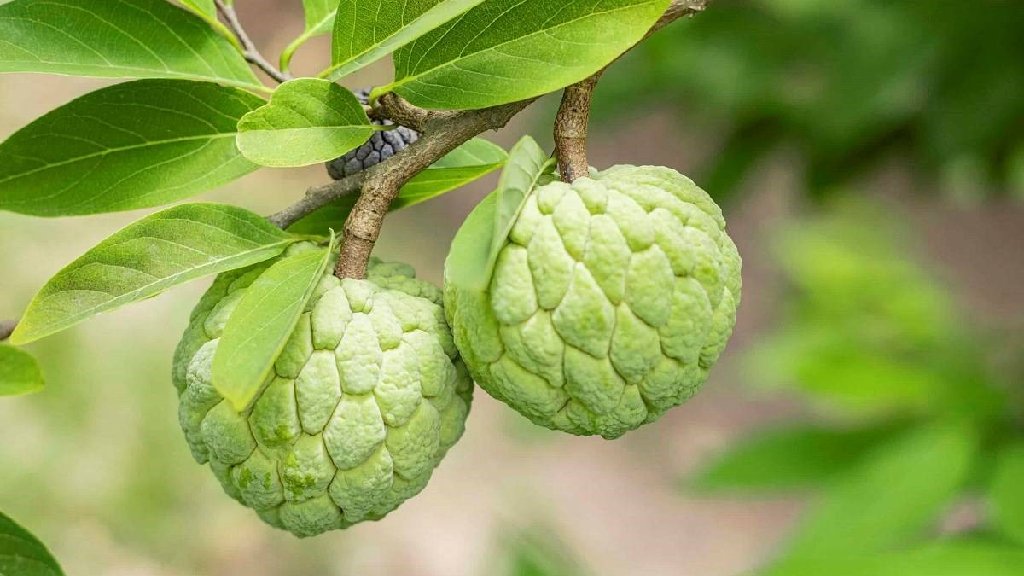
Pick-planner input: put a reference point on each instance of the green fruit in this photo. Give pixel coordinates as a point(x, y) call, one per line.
point(609, 302)
point(365, 400)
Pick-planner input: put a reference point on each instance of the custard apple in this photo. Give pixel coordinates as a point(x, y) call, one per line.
point(608, 303)
point(365, 400)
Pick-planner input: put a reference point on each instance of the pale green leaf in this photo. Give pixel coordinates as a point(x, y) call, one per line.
point(789, 458)
point(467, 263)
point(207, 9)
point(117, 39)
point(307, 121)
point(945, 559)
point(260, 326)
point(367, 30)
point(22, 554)
point(319, 20)
point(527, 163)
point(467, 163)
point(1006, 496)
point(145, 258)
point(475, 248)
point(19, 373)
point(893, 496)
point(509, 50)
point(134, 145)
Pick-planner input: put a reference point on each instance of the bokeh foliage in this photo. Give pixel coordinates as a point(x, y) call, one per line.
point(912, 416)
point(848, 84)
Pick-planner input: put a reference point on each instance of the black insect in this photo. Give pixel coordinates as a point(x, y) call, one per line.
point(380, 147)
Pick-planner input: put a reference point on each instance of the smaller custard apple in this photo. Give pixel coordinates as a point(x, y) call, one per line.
point(609, 301)
point(363, 403)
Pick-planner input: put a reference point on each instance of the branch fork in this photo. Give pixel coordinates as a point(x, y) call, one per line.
point(441, 132)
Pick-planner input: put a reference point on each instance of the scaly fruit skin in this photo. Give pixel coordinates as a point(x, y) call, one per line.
point(365, 400)
point(611, 300)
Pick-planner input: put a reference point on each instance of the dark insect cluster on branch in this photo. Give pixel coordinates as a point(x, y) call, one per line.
point(380, 147)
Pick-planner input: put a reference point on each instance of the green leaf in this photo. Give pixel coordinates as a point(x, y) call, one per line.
point(527, 163)
point(307, 121)
point(467, 163)
point(945, 559)
point(260, 326)
point(509, 50)
point(477, 243)
point(1006, 495)
point(22, 554)
point(359, 42)
point(147, 257)
point(319, 20)
point(19, 373)
point(117, 39)
point(892, 497)
point(790, 458)
point(539, 551)
point(471, 161)
point(206, 9)
point(134, 145)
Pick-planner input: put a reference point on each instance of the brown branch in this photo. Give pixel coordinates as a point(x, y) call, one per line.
point(401, 112)
point(679, 9)
point(573, 119)
point(7, 328)
point(250, 52)
point(317, 197)
point(442, 132)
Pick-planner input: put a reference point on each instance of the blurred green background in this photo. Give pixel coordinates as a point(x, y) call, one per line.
point(868, 417)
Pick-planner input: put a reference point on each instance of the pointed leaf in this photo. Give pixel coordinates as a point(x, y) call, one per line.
point(1006, 496)
point(19, 373)
point(145, 258)
point(790, 458)
point(206, 9)
point(134, 145)
point(527, 163)
point(471, 161)
point(893, 496)
point(367, 30)
point(480, 238)
point(22, 554)
point(307, 121)
point(509, 50)
point(117, 39)
point(319, 20)
point(467, 163)
point(260, 326)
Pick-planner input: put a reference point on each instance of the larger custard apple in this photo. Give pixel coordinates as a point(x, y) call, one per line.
point(608, 304)
point(364, 402)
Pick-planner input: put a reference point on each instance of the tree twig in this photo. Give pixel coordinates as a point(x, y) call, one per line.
point(249, 50)
point(317, 197)
point(571, 125)
point(7, 328)
point(442, 132)
point(573, 120)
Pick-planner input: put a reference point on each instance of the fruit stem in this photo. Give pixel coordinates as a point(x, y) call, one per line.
point(571, 127)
